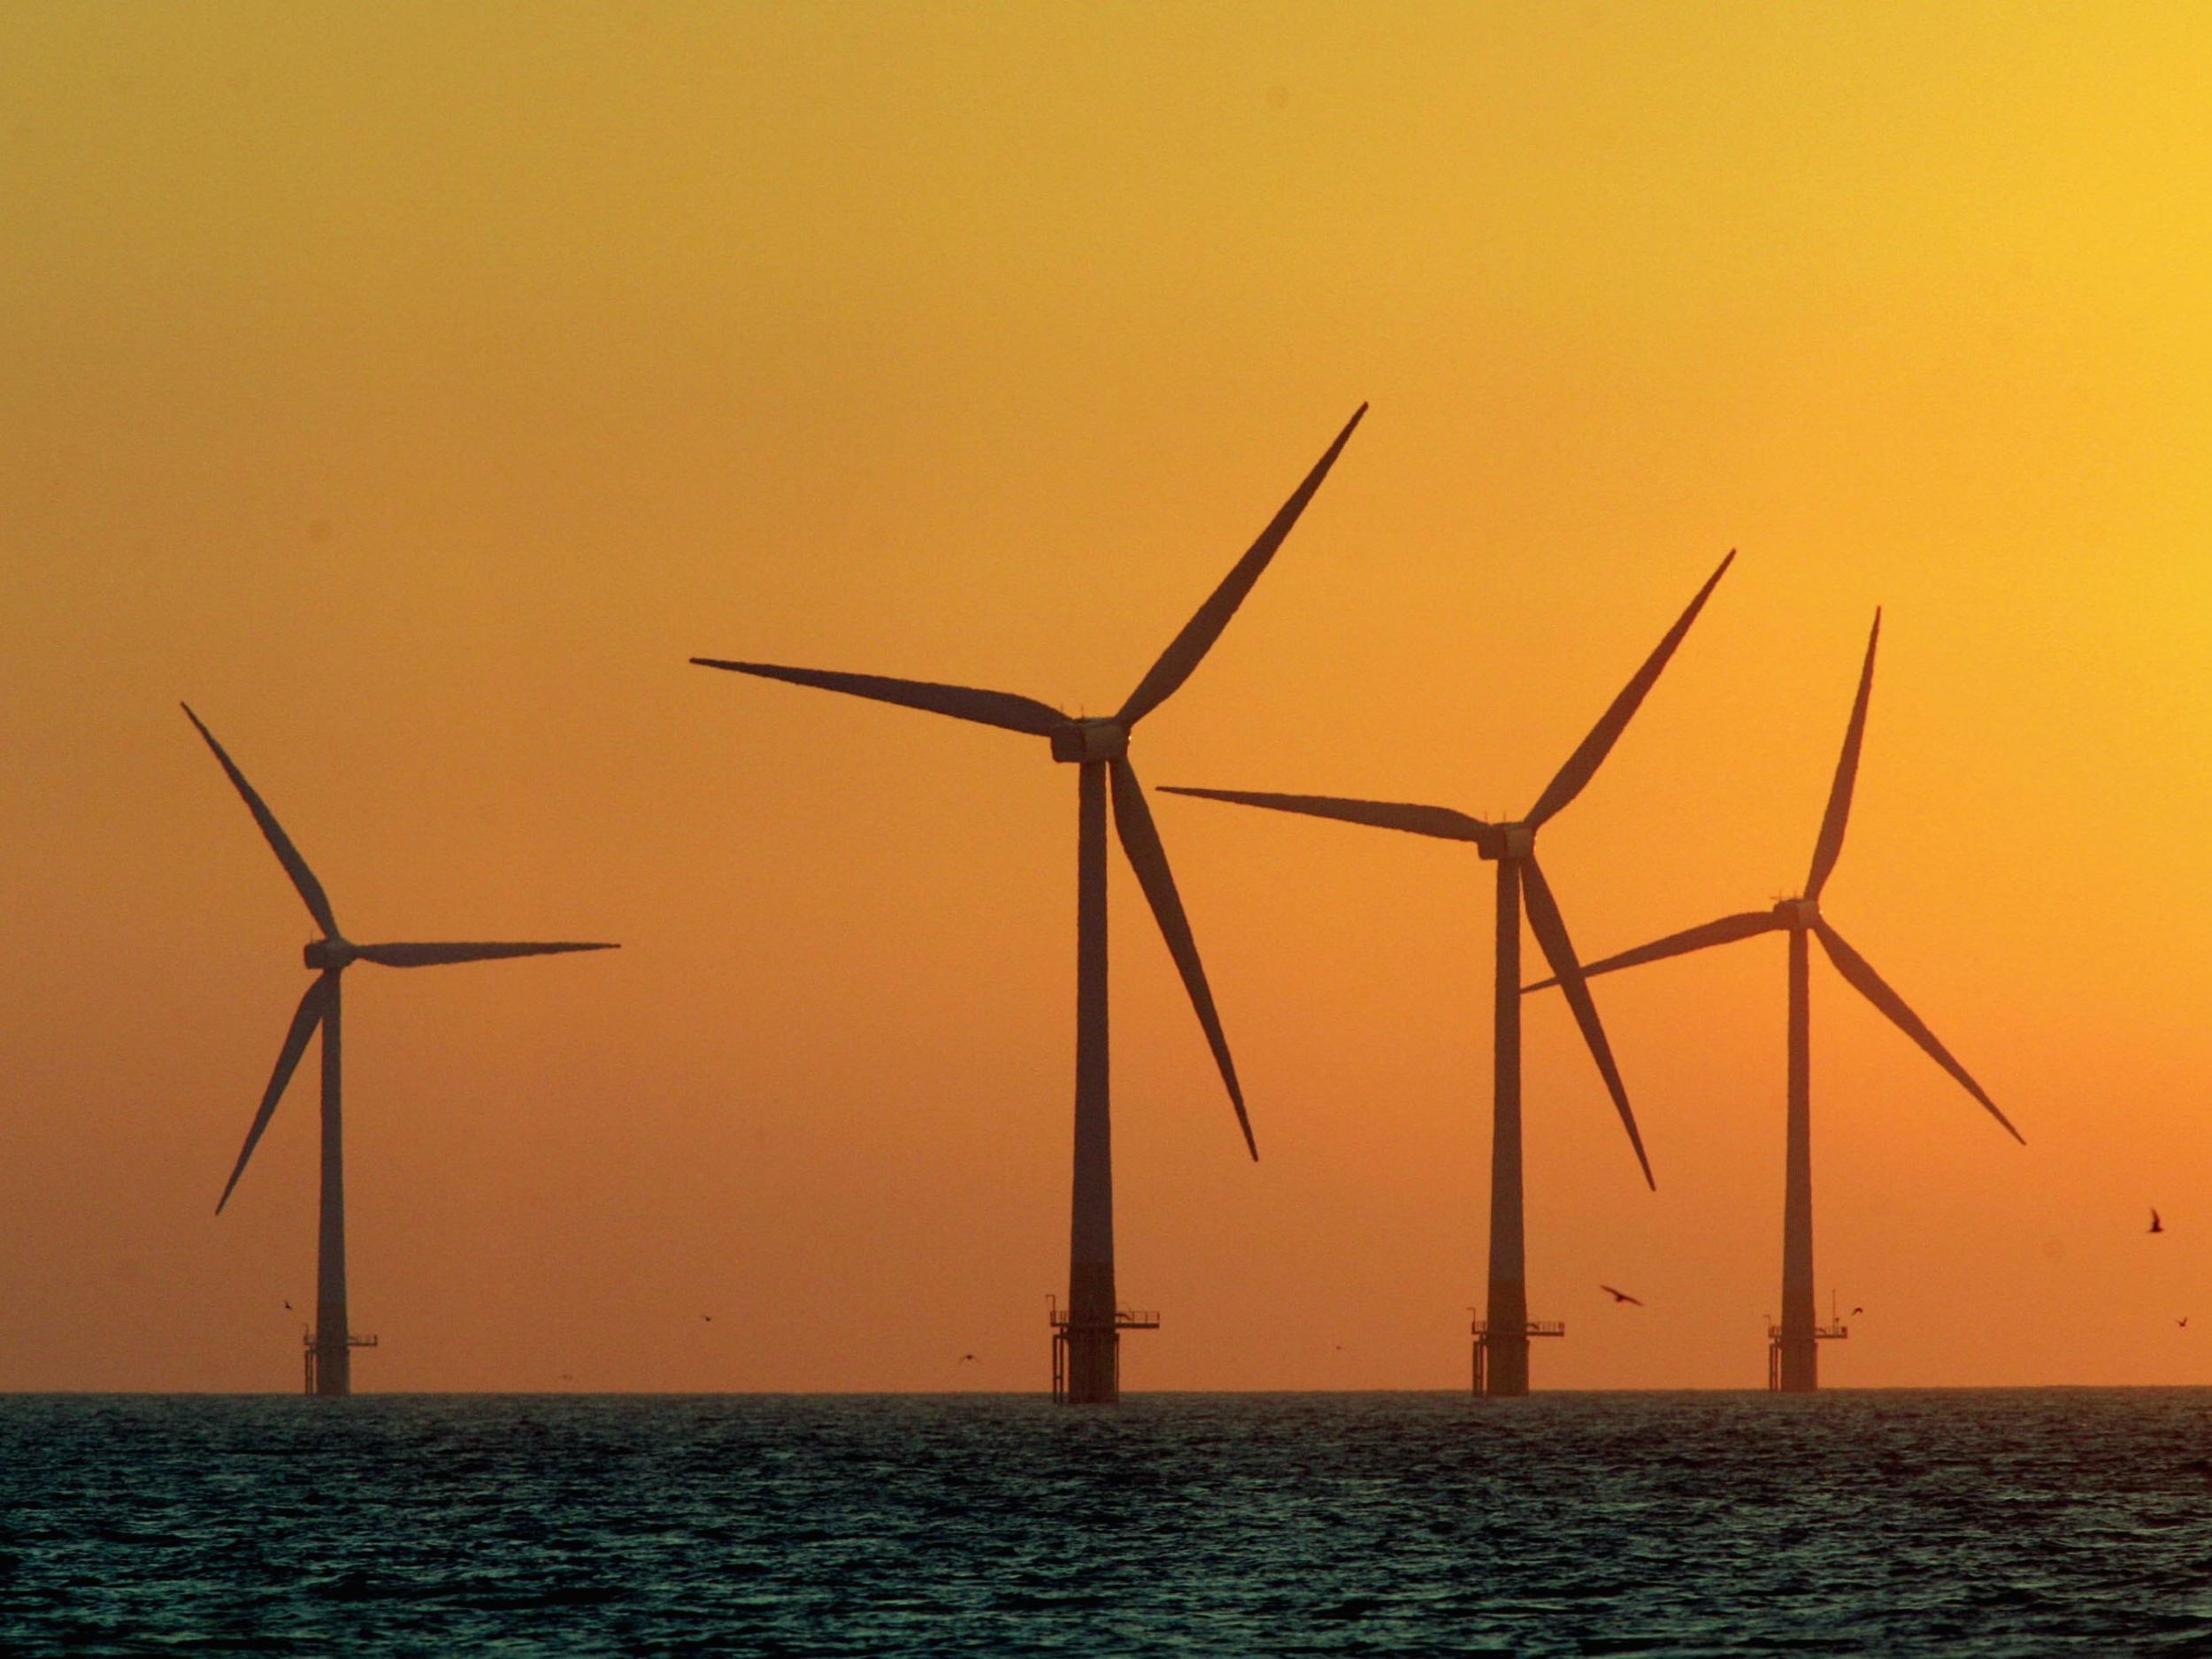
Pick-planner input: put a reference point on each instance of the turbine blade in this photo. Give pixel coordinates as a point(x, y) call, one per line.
point(1839, 811)
point(1869, 985)
point(1141, 841)
point(408, 955)
point(304, 1019)
point(962, 702)
point(1726, 931)
point(1185, 651)
point(287, 854)
point(1551, 934)
point(1585, 760)
point(1439, 821)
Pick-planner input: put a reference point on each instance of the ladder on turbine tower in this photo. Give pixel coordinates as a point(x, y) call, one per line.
point(1834, 1330)
point(1062, 1321)
point(1480, 1327)
point(307, 1340)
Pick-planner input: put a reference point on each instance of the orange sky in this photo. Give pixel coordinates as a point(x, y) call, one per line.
point(415, 391)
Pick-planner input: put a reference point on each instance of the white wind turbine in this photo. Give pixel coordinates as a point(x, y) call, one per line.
point(1091, 1325)
point(1502, 1351)
point(333, 1343)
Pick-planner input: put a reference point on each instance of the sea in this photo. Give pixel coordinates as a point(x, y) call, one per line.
point(1952, 1522)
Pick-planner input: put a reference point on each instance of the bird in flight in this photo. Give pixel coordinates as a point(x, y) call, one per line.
point(1856, 1312)
point(965, 1359)
point(2156, 1225)
point(287, 1307)
point(708, 1318)
point(1622, 1295)
point(2183, 1322)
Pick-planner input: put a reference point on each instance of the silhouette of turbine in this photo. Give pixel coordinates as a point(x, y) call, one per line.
point(1800, 1368)
point(1090, 1326)
point(330, 956)
point(1513, 846)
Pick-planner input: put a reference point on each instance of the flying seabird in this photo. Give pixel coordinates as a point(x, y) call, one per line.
point(1622, 1295)
point(2156, 1225)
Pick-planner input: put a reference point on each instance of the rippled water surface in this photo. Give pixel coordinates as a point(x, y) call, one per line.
point(2012, 1521)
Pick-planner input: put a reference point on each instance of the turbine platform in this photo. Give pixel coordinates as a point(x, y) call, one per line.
point(1835, 1331)
point(1064, 1323)
point(1480, 1327)
point(307, 1340)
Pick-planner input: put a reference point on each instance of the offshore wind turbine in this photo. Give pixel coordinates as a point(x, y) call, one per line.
point(1798, 1338)
point(1503, 1338)
point(330, 1347)
point(1087, 1334)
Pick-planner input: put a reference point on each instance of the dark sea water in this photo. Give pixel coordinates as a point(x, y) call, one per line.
point(2000, 1522)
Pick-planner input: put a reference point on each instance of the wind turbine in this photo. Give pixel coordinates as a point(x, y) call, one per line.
point(1090, 1326)
point(1798, 1336)
point(1502, 1346)
point(333, 1342)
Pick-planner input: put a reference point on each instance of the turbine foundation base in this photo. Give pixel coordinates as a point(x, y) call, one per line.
point(1501, 1356)
point(1086, 1355)
point(1793, 1358)
point(327, 1366)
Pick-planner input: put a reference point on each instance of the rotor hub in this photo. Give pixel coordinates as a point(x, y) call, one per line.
point(1082, 740)
point(326, 954)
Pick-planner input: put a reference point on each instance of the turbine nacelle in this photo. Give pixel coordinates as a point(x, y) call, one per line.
point(325, 955)
point(1798, 915)
point(1509, 840)
point(1085, 740)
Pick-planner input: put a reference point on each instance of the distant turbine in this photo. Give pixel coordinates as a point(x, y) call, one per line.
point(1800, 1371)
point(1091, 1326)
point(1513, 846)
point(330, 956)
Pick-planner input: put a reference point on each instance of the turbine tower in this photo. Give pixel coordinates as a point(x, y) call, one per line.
point(1087, 1334)
point(1503, 1338)
point(331, 1347)
point(1798, 1338)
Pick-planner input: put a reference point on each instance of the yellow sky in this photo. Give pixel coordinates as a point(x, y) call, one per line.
point(415, 390)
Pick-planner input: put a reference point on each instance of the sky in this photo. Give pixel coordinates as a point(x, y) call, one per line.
point(415, 390)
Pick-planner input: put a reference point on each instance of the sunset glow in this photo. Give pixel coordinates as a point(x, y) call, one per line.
point(416, 391)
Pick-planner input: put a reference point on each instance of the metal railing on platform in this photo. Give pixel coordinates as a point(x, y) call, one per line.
point(1124, 1318)
point(1532, 1327)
